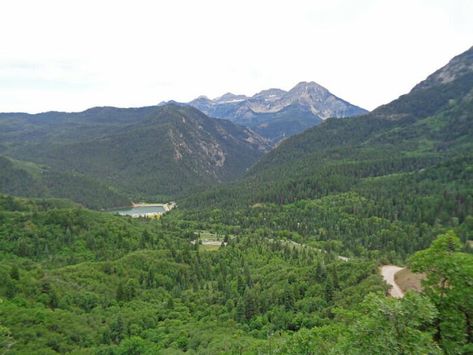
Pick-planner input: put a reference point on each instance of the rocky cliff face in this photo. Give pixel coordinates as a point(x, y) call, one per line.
point(150, 151)
point(277, 114)
point(460, 65)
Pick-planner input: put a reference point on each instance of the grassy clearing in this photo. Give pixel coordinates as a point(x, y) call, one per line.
point(206, 235)
point(208, 247)
point(408, 280)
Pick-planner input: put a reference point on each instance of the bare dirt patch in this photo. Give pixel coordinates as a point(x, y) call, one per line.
point(408, 280)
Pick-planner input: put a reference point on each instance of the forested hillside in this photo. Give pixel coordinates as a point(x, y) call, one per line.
point(382, 184)
point(143, 153)
point(285, 222)
point(283, 261)
point(20, 178)
point(74, 280)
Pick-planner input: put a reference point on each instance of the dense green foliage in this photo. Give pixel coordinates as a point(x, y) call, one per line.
point(449, 286)
point(305, 232)
point(31, 180)
point(383, 184)
point(76, 279)
point(389, 216)
point(147, 153)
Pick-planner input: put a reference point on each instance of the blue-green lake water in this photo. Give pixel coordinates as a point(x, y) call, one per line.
point(139, 211)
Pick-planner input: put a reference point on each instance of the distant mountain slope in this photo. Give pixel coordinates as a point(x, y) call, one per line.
point(430, 125)
point(277, 114)
point(144, 153)
point(434, 119)
point(382, 185)
point(64, 127)
point(28, 179)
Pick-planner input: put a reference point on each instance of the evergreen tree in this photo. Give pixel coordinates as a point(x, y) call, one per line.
point(15, 273)
point(449, 285)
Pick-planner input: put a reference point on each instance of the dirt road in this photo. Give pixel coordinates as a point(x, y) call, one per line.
point(388, 272)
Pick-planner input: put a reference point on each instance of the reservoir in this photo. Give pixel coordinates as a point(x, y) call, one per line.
point(142, 211)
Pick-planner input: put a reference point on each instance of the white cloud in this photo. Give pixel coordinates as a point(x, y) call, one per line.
point(71, 55)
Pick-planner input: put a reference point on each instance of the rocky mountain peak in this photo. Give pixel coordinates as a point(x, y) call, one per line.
point(308, 86)
point(229, 97)
point(277, 114)
point(460, 65)
point(269, 94)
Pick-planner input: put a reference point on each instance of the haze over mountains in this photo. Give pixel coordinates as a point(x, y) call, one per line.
point(277, 114)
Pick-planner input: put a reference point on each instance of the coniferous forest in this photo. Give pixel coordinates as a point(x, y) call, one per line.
point(79, 281)
point(271, 250)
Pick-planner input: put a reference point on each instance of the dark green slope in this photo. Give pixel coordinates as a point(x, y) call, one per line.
point(433, 122)
point(80, 281)
point(64, 127)
point(382, 184)
point(290, 120)
point(21, 178)
point(146, 152)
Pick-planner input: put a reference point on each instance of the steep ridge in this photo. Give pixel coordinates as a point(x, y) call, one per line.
point(384, 183)
point(432, 122)
point(277, 114)
point(143, 153)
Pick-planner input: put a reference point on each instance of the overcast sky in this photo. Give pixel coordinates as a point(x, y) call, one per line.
point(71, 55)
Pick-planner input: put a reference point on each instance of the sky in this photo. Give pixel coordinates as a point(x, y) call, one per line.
point(69, 55)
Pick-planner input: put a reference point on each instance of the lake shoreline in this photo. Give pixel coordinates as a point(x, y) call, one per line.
point(149, 210)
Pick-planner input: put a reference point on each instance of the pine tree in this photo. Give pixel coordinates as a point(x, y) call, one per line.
point(240, 285)
point(149, 281)
point(240, 315)
point(120, 294)
point(15, 273)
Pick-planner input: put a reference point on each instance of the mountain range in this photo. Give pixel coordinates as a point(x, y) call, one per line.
point(284, 259)
point(171, 150)
point(399, 142)
point(154, 152)
point(277, 114)
point(150, 152)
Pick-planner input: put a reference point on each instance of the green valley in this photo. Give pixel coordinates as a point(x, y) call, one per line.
point(270, 250)
point(153, 153)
